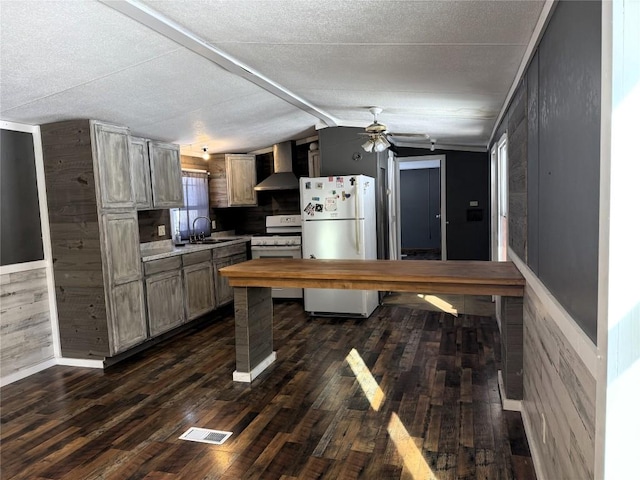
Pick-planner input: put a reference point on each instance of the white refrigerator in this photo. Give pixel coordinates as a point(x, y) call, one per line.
point(339, 222)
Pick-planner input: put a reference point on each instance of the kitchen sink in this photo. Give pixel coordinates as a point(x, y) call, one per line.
point(209, 241)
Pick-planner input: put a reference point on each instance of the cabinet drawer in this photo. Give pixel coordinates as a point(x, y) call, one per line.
point(196, 257)
point(229, 250)
point(162, 265)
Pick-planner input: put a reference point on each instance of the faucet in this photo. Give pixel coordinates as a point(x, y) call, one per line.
point(193, 237)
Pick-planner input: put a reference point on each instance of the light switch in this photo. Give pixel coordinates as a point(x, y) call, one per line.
point(161, 231)
point(213, 224)
point(473, 203)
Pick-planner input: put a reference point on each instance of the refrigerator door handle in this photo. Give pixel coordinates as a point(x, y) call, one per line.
point(357, 215)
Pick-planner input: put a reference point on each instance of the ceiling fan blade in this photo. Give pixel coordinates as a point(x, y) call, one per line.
point(422, 136)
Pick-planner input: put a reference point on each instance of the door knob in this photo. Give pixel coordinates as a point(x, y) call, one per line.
point(438, 215)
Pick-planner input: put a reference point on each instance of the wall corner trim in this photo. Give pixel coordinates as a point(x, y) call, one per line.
point(578, 340)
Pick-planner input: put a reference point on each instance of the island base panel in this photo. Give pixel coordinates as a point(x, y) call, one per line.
point(254, 330)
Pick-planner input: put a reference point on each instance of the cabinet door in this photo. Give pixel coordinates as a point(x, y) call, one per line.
point(314, 163)
point(122, 247)
point(166, 175)
point(110, 145)
point(224, 292)
point(241, 178)
point(128, 322)
point(198, 289)
point(165, 302)
point(140, 173)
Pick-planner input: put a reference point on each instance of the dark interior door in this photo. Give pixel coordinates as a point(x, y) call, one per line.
point(420, 208)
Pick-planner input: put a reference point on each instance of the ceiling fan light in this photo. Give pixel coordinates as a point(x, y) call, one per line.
point(380, 144)
point(368, 146)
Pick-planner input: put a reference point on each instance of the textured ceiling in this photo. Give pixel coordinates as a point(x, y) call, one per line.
point(442, 68)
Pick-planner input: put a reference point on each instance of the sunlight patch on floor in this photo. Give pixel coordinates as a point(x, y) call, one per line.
point(439, 303)
point(411, 455)
point(368, 384)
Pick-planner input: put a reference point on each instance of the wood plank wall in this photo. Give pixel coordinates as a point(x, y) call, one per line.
point(75, 237)
point(25, 323)
point(517, 155)
point(558, 385)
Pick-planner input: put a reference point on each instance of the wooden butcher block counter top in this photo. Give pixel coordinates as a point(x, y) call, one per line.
point(431, 276)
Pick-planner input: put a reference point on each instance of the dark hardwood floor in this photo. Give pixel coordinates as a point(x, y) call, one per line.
point(407, 393)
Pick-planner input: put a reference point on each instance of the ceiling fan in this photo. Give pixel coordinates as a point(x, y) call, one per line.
point(378, 136)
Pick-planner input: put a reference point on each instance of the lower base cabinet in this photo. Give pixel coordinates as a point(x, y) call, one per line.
point(165, 302)
point(129, 327)
point(199, 289)
point(184, 287)
point(224, 292)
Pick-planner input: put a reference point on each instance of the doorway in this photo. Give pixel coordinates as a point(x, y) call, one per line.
point(421, 180)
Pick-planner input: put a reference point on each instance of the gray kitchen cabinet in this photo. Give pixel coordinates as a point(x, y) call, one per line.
point(165, 301)
point(223, 257)
point(140, 173)
point(110, 148)
point(199, 295)
point(122, 247)
point(94, 238)
point(128, 323)
point(232, 182)
point(166, 175)
point(314, 163)
point(199, 289)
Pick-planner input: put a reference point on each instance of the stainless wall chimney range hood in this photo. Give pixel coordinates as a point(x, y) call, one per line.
point(283, 177)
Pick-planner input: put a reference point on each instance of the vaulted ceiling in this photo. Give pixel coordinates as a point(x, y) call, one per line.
point(240, 75)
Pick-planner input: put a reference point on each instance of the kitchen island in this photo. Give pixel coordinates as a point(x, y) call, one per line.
point(253, 280)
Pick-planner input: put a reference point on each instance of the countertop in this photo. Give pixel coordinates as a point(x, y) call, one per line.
point(166, 248)
point(432, 276)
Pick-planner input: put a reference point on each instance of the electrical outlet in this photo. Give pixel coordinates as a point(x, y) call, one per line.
point(161, 231)
point(213, 224)
point(544, 429)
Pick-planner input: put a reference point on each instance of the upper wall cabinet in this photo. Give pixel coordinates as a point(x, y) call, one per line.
point(166, 175)
point(233, 178)
point(140, 173)
point(110, 146)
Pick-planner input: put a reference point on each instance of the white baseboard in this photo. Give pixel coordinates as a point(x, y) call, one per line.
point(25, 372)
point(248, 377)
point(507, 403)
point(533, 447)
point(80, 362)
point(52, 362)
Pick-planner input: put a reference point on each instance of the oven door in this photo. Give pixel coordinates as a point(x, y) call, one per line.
point(279, 251)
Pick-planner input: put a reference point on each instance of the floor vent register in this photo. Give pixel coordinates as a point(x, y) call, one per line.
point(205, 435)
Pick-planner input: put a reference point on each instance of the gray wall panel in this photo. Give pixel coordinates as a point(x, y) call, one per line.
point(338, 146)
point(569, 158)
point(532, 165)
point(20, 229)
point(517, 146)
point(467, 180)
